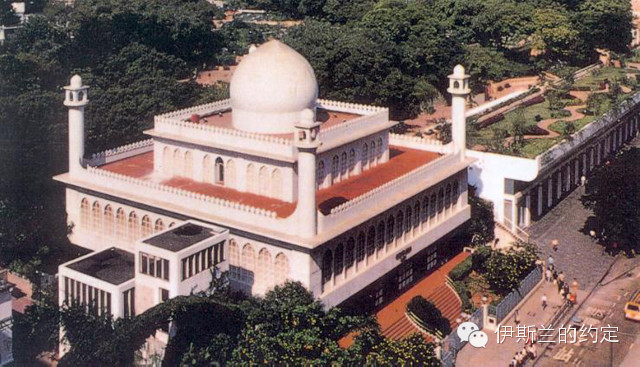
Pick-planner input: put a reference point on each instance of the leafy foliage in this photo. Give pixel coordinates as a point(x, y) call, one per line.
point(612, 194)
point(505, 270)
point(482, 223)
point(429, 314)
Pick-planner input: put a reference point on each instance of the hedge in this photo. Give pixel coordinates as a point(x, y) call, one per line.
point(560, 113)
point(491, 120)
point(464, 293)
point(535, 130)
point(532, 101)
point(461, 270)
point(478, 258)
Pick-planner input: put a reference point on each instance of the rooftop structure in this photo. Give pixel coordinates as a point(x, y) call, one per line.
point(112, 265)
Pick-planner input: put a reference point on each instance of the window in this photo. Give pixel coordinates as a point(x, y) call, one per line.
point(343, 165)
point(202, 260)
point(371, 241)
point(365, 156)
point(447, 197)
point(129, 302)
point(407, 222)
point(247, 271)
point(390, 230)
point(154, 266)
point(265, 269)
point(432, 213)
point(207, 170)
point(335, 169)
point(380, 148)
point(399, 224)
point(188, 165)
point(96, 301)
point(372, 154)
point(84, 213)
point(108, 221)
point(440, 200)
point(425, 209)
point(381, 239)
point(146, 226)
point(96, 216)
point(164, 295)
point(121, 224)
point(133, 227)
point(339, 260)
point(352, 161)
point(378, 297)
point(349, 253)
point(219, 171)
point(405, 278)
point(416, 215)
point(432, 259)
point(281, 266)
point(159, 225)
point(327, 266)
point(456, 192)
point(230, 174)
point(360, 247)
point(234, 260)
point(320, 174)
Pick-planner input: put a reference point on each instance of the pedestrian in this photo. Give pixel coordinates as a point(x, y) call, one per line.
point(547, 275)
point(519, 359)
point(561, 276)
point(574, 285)
point(555, 277)
point(560, 284)
point(516, 317)
point(550, 261)
point(554, 245)
point(514, 362)
point(534, 351)
point(583, 180)
point(544, 301)
point(562, 294)
point(566, 290)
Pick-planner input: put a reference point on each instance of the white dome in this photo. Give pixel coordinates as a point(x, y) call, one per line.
point(269, 89)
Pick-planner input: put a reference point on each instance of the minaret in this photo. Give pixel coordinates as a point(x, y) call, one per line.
point(459, 89)
point(307, 141)
point(76, 98)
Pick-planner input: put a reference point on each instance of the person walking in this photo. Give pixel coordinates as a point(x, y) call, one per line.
point(544, 301)
point(547, 275)
point(555, 244)
point(550, 262)
point(516, 317)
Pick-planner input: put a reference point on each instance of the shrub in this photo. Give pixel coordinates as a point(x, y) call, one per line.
point(538, 118)
point(479, 257)
point(507, 85)
point(461, 270)
point(532, 101)
point(429, 315)
point(535, 130)
point(500, 89)
point(560, 113)
point(465, 296)
point(491, 120)
point(505, 270)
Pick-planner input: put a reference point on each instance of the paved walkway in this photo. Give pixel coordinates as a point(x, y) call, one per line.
point(531, 314)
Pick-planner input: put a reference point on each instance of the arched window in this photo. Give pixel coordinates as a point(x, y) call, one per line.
point(447, 197)
point(339, 260)
point(425, 209)
point(230, 174)
point(177, 163)
point(276, 184)
point(343, 165)
point(108, 221)
point(159, 225)
point(371, 241)
point(407, 223)
point(335, 169)
point(349, 253)
point(172, 224)
point(320, 174)
point(365, 156)
point(399, 224)
point(381, 239)
point(265, 274)
point(327, 266)
point(133, 227)
point(380, 148)
point(352, 161)
point(390, 229)
point(252, 183)
point(207, 169)
point(281, 266)
point(248, 264)
point(416, 214)
point(96, 216)
point(167, 161)
point(121, 224)
point(456, 192)
point(432, 210)
point(263, 177)
point(234, 260)
point(147, 230)
point(188, 165)
point(219, 171)
point(85, 222)
point(372, 154)
point(440, 200)
point(360, 247)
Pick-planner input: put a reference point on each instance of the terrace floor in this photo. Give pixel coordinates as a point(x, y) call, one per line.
point(401, 161)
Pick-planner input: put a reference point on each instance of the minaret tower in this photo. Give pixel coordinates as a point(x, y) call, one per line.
point(75, 98)
point(306, 137)
point(459, 89)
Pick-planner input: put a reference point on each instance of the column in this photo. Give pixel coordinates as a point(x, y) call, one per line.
point(527, 210)
point(550, 192)
point(539, 199)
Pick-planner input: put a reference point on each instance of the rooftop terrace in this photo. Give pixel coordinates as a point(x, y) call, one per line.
point(113, 265)
point(401, 161)
point(181, 237)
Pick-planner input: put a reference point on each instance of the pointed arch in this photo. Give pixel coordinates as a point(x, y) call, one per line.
point(276, 184)
point(349, 254)
point(134, 227)
point(177, 163)
point(248, 264)
point(219, 171)
point(96, 216)
point(108, 221)
point(390, 229)
point(335, 169)
point(381, 240)
point(264, 181)
point(352, 162)
point(251, 179)
point(188, 165)
point(416, 214)
point(121, 224)
point(147, 230)
point(265, 270)
point(85, 221)
point(230, 173)
point(234, 260)
point(207, 169)
point(320, 174)
point(167, 161)
point(281, 267)
point(365, 156)
point(327, 266)
point(371, 241)
point(372, 154)
point(447, 196)
point(360, 244)
point(343, 166)
point(159, 225)
point(339, 259)
point(380, 149)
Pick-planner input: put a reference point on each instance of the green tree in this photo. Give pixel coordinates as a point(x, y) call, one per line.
point(553, 32)
point(411, 351)
point(568, 130)
point(505, 270)
point(518, 129)
point(612, 195)
point(482, 224)
point(36, 330)
point(597, 20)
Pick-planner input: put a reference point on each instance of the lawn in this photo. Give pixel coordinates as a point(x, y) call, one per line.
point(603, 74)
point(530, 113)
point(558, 126)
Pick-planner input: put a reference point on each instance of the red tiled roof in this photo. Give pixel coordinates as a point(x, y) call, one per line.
point(401, 161)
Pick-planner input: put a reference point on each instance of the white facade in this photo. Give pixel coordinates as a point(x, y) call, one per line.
point(293, 181)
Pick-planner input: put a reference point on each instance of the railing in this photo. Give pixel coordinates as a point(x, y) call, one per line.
point(512, 299)
point(353, 129)
point(452, 344)
point(355, 108)
point(200, 109)
point(187, 198)
point(410, 178)
point(124, 151)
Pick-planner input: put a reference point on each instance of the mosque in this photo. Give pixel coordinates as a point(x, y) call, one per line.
point(272, 184)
